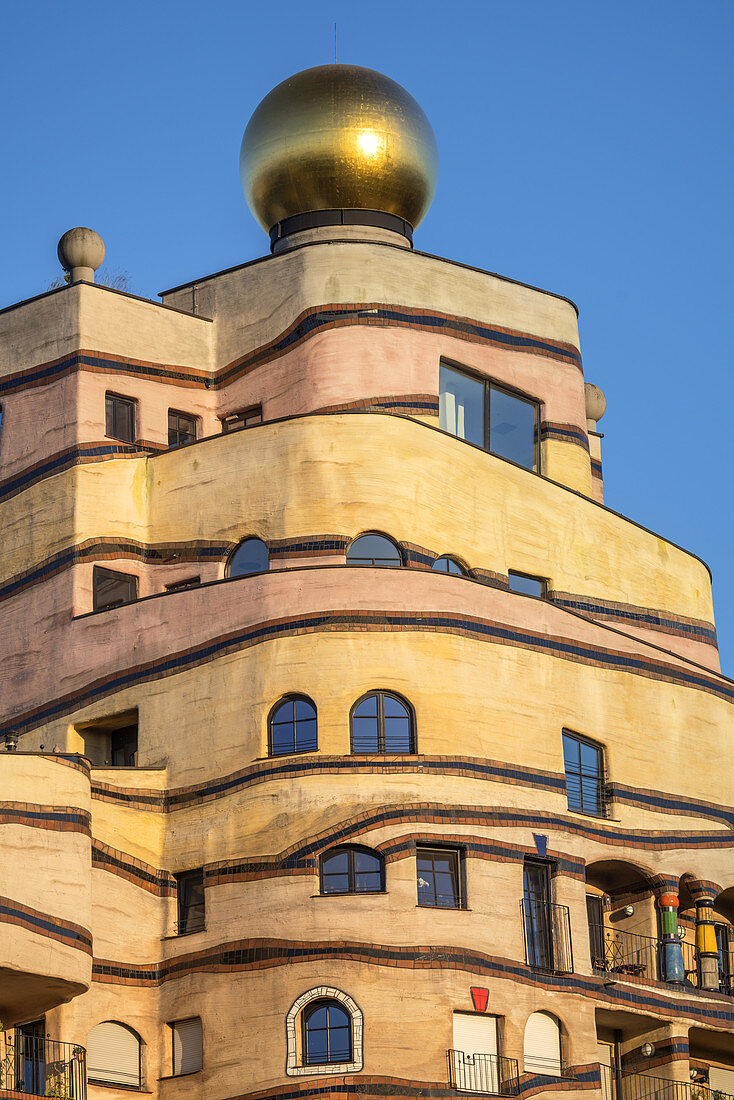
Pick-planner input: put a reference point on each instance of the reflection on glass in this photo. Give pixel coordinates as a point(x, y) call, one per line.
point(461, 405)
point(438, 878)
point(512, 429)
point(293, 727)
point(382, 723)
point(583, 764)
point(374, 550)
point(529, 586)
point(251, 556)
point(351, 871)
point(448, 565)
point(536, 907)
point(327, 1034)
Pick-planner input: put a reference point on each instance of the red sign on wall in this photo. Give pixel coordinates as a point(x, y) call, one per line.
point(480, 998)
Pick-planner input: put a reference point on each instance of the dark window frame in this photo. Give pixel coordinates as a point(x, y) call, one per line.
point(186, 922)
point(292, 698)
point(602, 800)
point(233, 552)
point(306, 1014)
point(111, 413)
point(543, 581)
point(97, 572)
point(352, 850)
point(194, 421)
point(228, 420)
point(458, 853)
point(381, 750)
point(185, 582)
point(502, 387)
point(460, 571)
point(376, 563)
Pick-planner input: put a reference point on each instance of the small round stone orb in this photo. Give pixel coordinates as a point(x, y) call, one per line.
point(81, 251)
point(596, 402)
point(338, 137)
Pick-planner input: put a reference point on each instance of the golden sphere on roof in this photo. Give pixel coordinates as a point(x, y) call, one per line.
point(338, 137)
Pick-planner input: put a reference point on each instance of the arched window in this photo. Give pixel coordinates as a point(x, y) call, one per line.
point(351, 871)
point(113, 1055)
point(542, 1046)
point(327, 1034)
point(293, 726)
point(374, 549)
point(251, 556)
point(324, 1027)
point(382, 722)
point(445, 564)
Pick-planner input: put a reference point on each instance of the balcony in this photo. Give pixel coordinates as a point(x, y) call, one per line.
point(614, 951)
point(488, 1073)
point(42, 1067)
point(639, 1086)
point(547, 932)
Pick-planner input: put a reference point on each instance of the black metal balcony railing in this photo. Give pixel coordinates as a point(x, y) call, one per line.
point(640, 1086)
point(547, 932)
point(489, 1073)
point(626, 953)
point(42, 1067)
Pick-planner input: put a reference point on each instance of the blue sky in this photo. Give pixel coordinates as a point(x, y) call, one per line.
point(584, 147)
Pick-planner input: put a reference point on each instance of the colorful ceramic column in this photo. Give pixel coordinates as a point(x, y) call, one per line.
point(707, 949)
point(672, 952)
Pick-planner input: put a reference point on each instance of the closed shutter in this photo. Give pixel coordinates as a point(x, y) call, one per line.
point(474, 1063)
point(187, 1046)
point(543, 1045)
point(721, 1080)
point(113, 1055)
point(475, 1034)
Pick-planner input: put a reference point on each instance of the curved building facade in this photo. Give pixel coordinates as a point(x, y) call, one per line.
point(354, 746)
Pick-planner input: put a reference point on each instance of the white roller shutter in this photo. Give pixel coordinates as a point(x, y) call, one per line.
point(187, 1046)
point(113, 1055)
point(474, 1061)
point(721, 1080)
point(543, 1045)
point(474, 1034)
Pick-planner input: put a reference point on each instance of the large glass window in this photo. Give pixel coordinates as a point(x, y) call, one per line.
point(489, 415)
point(327, 1033)
point(251, 556)
point(382, 723)
point(293, 726)
point(536, 905)
point(120, 417)
point(112, 589)
point(374, 550)
point(583, 762)
point(438, 877)
point(351, 871)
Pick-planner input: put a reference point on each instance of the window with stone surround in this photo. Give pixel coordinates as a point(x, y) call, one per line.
point(324, 1030)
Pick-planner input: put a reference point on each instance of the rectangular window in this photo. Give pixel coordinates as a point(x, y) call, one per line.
point(490, 416)
point(120, 417)
point(181, 428)
point(190, 899)
point(111, 589)
point(124, 746)
point(245, 418)
point(537, 914)
point(528, 585)
point(583, 762)
point(186, 1046)
point(438, 872)
point(187, 582)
